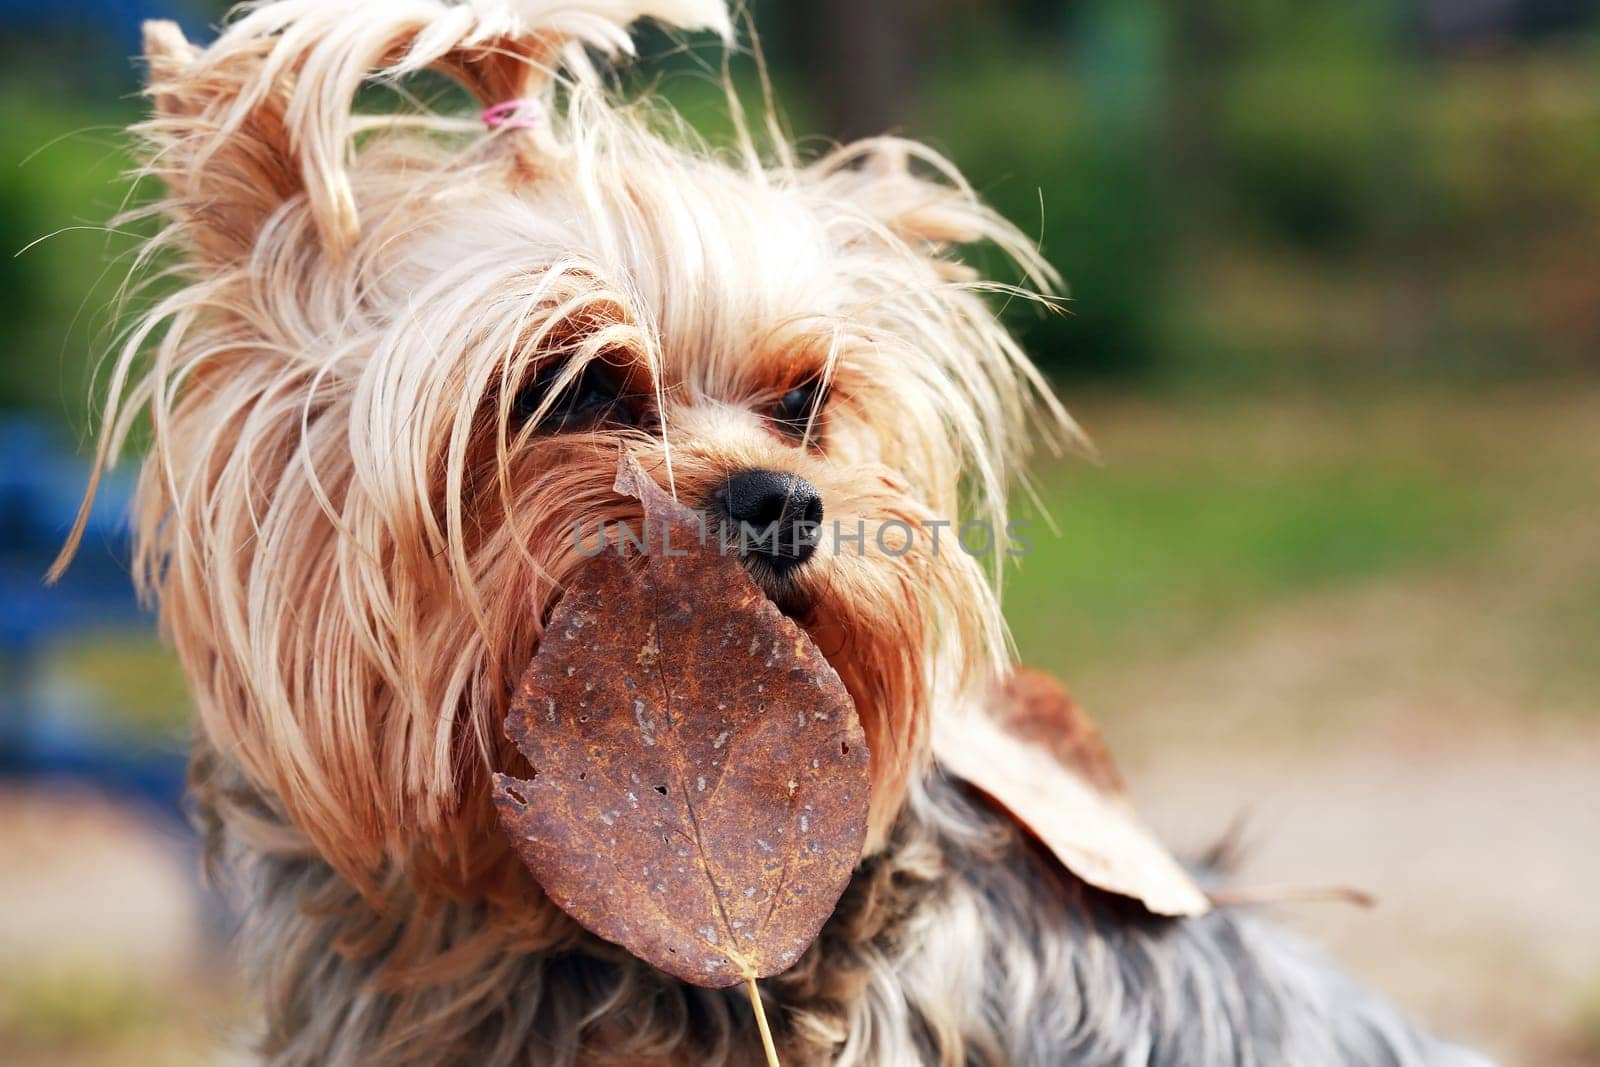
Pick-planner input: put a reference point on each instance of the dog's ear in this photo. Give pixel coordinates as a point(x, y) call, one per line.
point(264, 115)
point(220, 188)
point(919, 198)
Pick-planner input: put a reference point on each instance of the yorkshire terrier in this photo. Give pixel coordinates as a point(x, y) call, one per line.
point(390, 370)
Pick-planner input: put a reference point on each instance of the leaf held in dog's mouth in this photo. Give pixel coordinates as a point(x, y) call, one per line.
point(701, 779)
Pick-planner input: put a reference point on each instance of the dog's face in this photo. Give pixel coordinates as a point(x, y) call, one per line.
point(388, 403)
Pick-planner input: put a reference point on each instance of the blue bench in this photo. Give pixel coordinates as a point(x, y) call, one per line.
point(42, 736)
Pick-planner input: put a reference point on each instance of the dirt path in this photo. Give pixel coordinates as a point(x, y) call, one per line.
point(1430, 739)
point(1483, 858)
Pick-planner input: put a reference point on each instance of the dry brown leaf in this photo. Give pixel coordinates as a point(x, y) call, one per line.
point(1038, 709)
point(1040, 758)
point(700, 780)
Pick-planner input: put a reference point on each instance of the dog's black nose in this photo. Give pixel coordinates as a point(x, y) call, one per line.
point(773, 516)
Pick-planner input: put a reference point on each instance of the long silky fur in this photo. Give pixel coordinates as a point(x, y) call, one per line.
point(354, 541)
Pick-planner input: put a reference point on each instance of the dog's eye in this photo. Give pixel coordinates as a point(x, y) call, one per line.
point(800, 407)
point(594, 397)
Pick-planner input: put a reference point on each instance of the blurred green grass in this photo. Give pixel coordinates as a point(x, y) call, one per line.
point(1205, 514)
point(1153, 555)
point(99, 1013)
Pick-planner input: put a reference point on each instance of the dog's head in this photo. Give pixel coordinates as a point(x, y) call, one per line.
point(385, 399)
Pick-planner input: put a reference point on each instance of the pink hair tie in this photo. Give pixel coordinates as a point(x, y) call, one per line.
point(520, 114)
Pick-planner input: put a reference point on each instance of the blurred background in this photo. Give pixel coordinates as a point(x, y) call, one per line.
point(1334, 325)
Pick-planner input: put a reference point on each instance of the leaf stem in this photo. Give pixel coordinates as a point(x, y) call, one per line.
point(761, 1022)
point(1291, 894)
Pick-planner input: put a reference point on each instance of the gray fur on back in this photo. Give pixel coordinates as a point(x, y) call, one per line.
point(959, 945)
point(1101, 982)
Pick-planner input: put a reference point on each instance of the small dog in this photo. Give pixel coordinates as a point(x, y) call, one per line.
point(390, 382)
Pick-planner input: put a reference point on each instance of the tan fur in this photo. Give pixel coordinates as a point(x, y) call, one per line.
point(352, 543)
